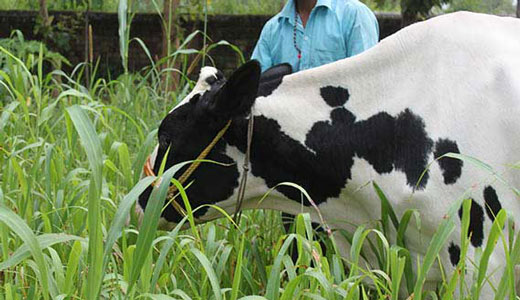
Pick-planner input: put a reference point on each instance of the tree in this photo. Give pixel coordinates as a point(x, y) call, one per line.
point(44, 14)
point(498, 7)
point(413, 10)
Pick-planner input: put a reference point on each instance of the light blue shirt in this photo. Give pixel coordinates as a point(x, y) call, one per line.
point(335, 29)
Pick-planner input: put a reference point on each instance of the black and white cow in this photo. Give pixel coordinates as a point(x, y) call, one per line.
point(449, 84)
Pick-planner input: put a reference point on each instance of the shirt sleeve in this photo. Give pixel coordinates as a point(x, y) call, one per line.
point(364, 31)
point(262, 51)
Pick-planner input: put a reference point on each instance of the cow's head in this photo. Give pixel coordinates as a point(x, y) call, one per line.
point(193, 124)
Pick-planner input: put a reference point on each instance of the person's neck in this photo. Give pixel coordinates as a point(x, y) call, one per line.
point(304, 8)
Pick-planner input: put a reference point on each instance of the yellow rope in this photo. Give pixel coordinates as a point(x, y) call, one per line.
point(204, 154)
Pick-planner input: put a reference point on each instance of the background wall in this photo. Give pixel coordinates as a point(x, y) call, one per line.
point(240, 30)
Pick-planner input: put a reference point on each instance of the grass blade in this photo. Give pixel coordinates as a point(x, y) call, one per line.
point(150, 222)
point(45, 240)
point(92, 146)
point(238, 271)
point(20, 228)
point(209, 272)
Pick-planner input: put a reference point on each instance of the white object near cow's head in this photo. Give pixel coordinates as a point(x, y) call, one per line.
point(449, 84)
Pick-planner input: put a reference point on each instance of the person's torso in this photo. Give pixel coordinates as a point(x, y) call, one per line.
point(322, 40)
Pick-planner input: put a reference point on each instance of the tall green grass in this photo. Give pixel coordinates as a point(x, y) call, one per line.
point(71, 158)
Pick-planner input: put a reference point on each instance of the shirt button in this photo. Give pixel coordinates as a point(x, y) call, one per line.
point(306, 38)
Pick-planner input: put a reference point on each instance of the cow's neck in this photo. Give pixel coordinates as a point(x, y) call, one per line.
point(309, 133)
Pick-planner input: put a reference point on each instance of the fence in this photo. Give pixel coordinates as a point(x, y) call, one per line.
point(240, 30)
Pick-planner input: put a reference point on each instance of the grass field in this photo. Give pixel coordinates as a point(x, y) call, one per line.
point(71, 156)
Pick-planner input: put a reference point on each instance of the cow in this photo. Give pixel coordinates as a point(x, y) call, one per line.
point(450, 84)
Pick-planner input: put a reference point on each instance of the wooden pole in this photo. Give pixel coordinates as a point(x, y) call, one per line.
point(87, 25)
point(44, 13)
point(90, 45)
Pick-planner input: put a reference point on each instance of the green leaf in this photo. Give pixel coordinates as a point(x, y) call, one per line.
point(121, 215)
point(273, 284)
point(6, 113)
point(45, 240)
point(209, 272)
point(150, 221)
point(238, 271)
point(92, 146)
point(72, 267)
point(494, 234)
point(20, 228)
point(386, 209)
point(438, 241)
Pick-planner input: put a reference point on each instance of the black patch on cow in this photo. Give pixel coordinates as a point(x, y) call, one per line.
point(451, 167)
point(271, 78)
point(493, 206)
point(277, 158)
point(454, 251)
point(334, 95)
point(386, 142)
point(412, 147)
point(476, 223)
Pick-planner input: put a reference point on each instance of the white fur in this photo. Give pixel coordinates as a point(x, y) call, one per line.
point(201, 86)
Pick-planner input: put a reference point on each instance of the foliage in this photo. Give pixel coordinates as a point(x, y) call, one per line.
point(498, 7)
point(255, 7)
point(28, 50)
point(18, 4)
point(60, 34)
point(426, 8)
point(71, 157)
point(412, 10)
point(421, 7)
point(34, 56)
point(383, 6)
point(267, 7)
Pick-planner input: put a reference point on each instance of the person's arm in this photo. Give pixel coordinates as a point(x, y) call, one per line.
point(262, 51)
point(364, 30)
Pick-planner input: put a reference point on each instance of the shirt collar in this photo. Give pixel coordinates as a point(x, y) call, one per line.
point(288, 9)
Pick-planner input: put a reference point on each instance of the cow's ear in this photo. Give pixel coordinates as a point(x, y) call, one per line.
point(272, 77)
point(238, 94)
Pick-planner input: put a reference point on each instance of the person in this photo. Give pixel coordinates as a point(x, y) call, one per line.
point(310, 33)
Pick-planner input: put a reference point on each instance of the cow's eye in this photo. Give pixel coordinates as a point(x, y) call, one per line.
point(211, 80)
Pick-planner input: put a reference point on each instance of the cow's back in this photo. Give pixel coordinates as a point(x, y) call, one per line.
point(457, 78)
